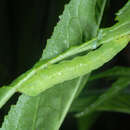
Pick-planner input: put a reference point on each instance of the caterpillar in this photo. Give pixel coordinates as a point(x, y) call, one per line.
point(43, 79)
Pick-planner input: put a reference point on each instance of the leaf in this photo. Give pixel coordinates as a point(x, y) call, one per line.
point(13, 120)
point(77, 20)
point(116, 71)
point(81, 104)
point(117, 86)
point(123, 14)
point(47, 111)
point(120, 103)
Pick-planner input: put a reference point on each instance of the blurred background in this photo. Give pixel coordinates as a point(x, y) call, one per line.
point(25, 25)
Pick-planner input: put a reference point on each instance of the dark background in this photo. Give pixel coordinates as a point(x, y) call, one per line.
point(25, 25)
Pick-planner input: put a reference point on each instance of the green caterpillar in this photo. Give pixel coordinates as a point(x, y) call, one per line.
point(67, 70)
point(46, 74)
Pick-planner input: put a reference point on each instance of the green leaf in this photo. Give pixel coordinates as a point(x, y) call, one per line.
point(115, 72)
point(14, 121)
point(117, 86)
point(79, 23)
point(47, 111)
point(123, 14)
point(119, 103)
point(81, 104)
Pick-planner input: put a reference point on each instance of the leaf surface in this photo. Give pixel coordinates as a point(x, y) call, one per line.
point(118, 103)
point(117, 71)
point(117, 86)
point(47, 111)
